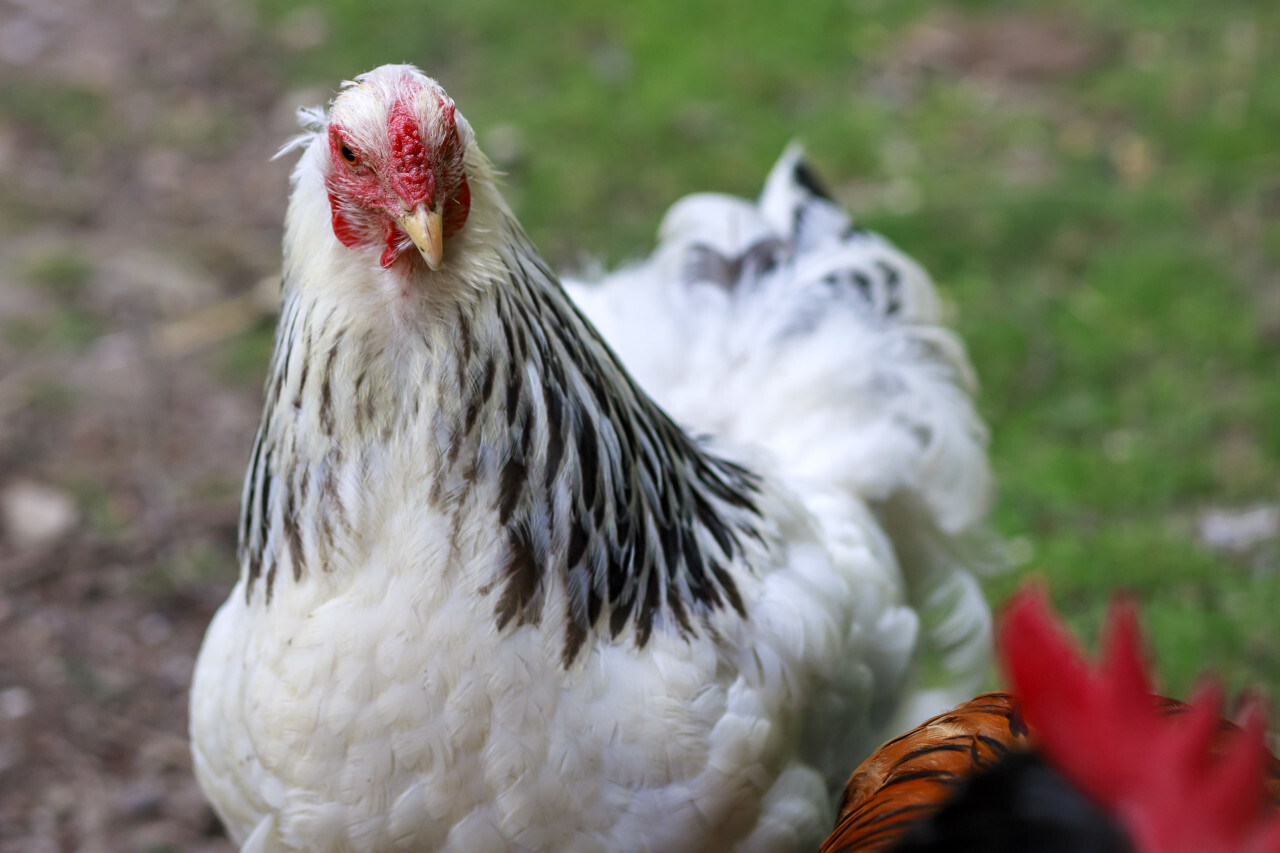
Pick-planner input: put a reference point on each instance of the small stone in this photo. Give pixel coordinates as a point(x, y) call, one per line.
point(36, 514)
point(21, 41)
point(1239, 529)
point(16, 703)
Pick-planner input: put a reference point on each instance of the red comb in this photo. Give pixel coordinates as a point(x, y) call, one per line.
point(1102, 727)
point(411, 178)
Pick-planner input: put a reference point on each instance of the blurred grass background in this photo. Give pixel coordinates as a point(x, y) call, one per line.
point(1095, 186)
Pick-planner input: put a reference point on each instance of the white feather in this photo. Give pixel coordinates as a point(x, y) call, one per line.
point(374, 706)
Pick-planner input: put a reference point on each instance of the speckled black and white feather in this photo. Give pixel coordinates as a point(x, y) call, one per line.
point(594, 484)
point(783, 326)
point(497, 594)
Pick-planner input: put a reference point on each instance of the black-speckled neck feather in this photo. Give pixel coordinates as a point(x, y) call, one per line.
point(597, 491)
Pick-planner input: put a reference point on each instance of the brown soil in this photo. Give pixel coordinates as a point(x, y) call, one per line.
point(138, 200)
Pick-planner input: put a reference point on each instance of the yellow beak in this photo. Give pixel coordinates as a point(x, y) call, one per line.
point(426, 229)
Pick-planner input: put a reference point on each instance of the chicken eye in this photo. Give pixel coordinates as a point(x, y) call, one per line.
point(348, 155)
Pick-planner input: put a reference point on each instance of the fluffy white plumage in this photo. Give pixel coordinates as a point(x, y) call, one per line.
point(423, 653)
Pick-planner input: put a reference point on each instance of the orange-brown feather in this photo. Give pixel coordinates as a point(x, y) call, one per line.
point(910, 777)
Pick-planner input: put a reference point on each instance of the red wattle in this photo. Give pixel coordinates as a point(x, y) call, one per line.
point(393, 238)
point(343, 229)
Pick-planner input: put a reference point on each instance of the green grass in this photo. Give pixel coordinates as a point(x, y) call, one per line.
point(64, 273)
point(1109, 236)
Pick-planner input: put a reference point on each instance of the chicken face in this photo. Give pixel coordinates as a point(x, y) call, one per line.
point(396, 177)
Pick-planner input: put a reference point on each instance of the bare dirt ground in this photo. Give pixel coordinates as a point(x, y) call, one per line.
point(140, 210)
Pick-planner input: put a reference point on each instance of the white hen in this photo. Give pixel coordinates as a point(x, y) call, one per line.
point(492, 597)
